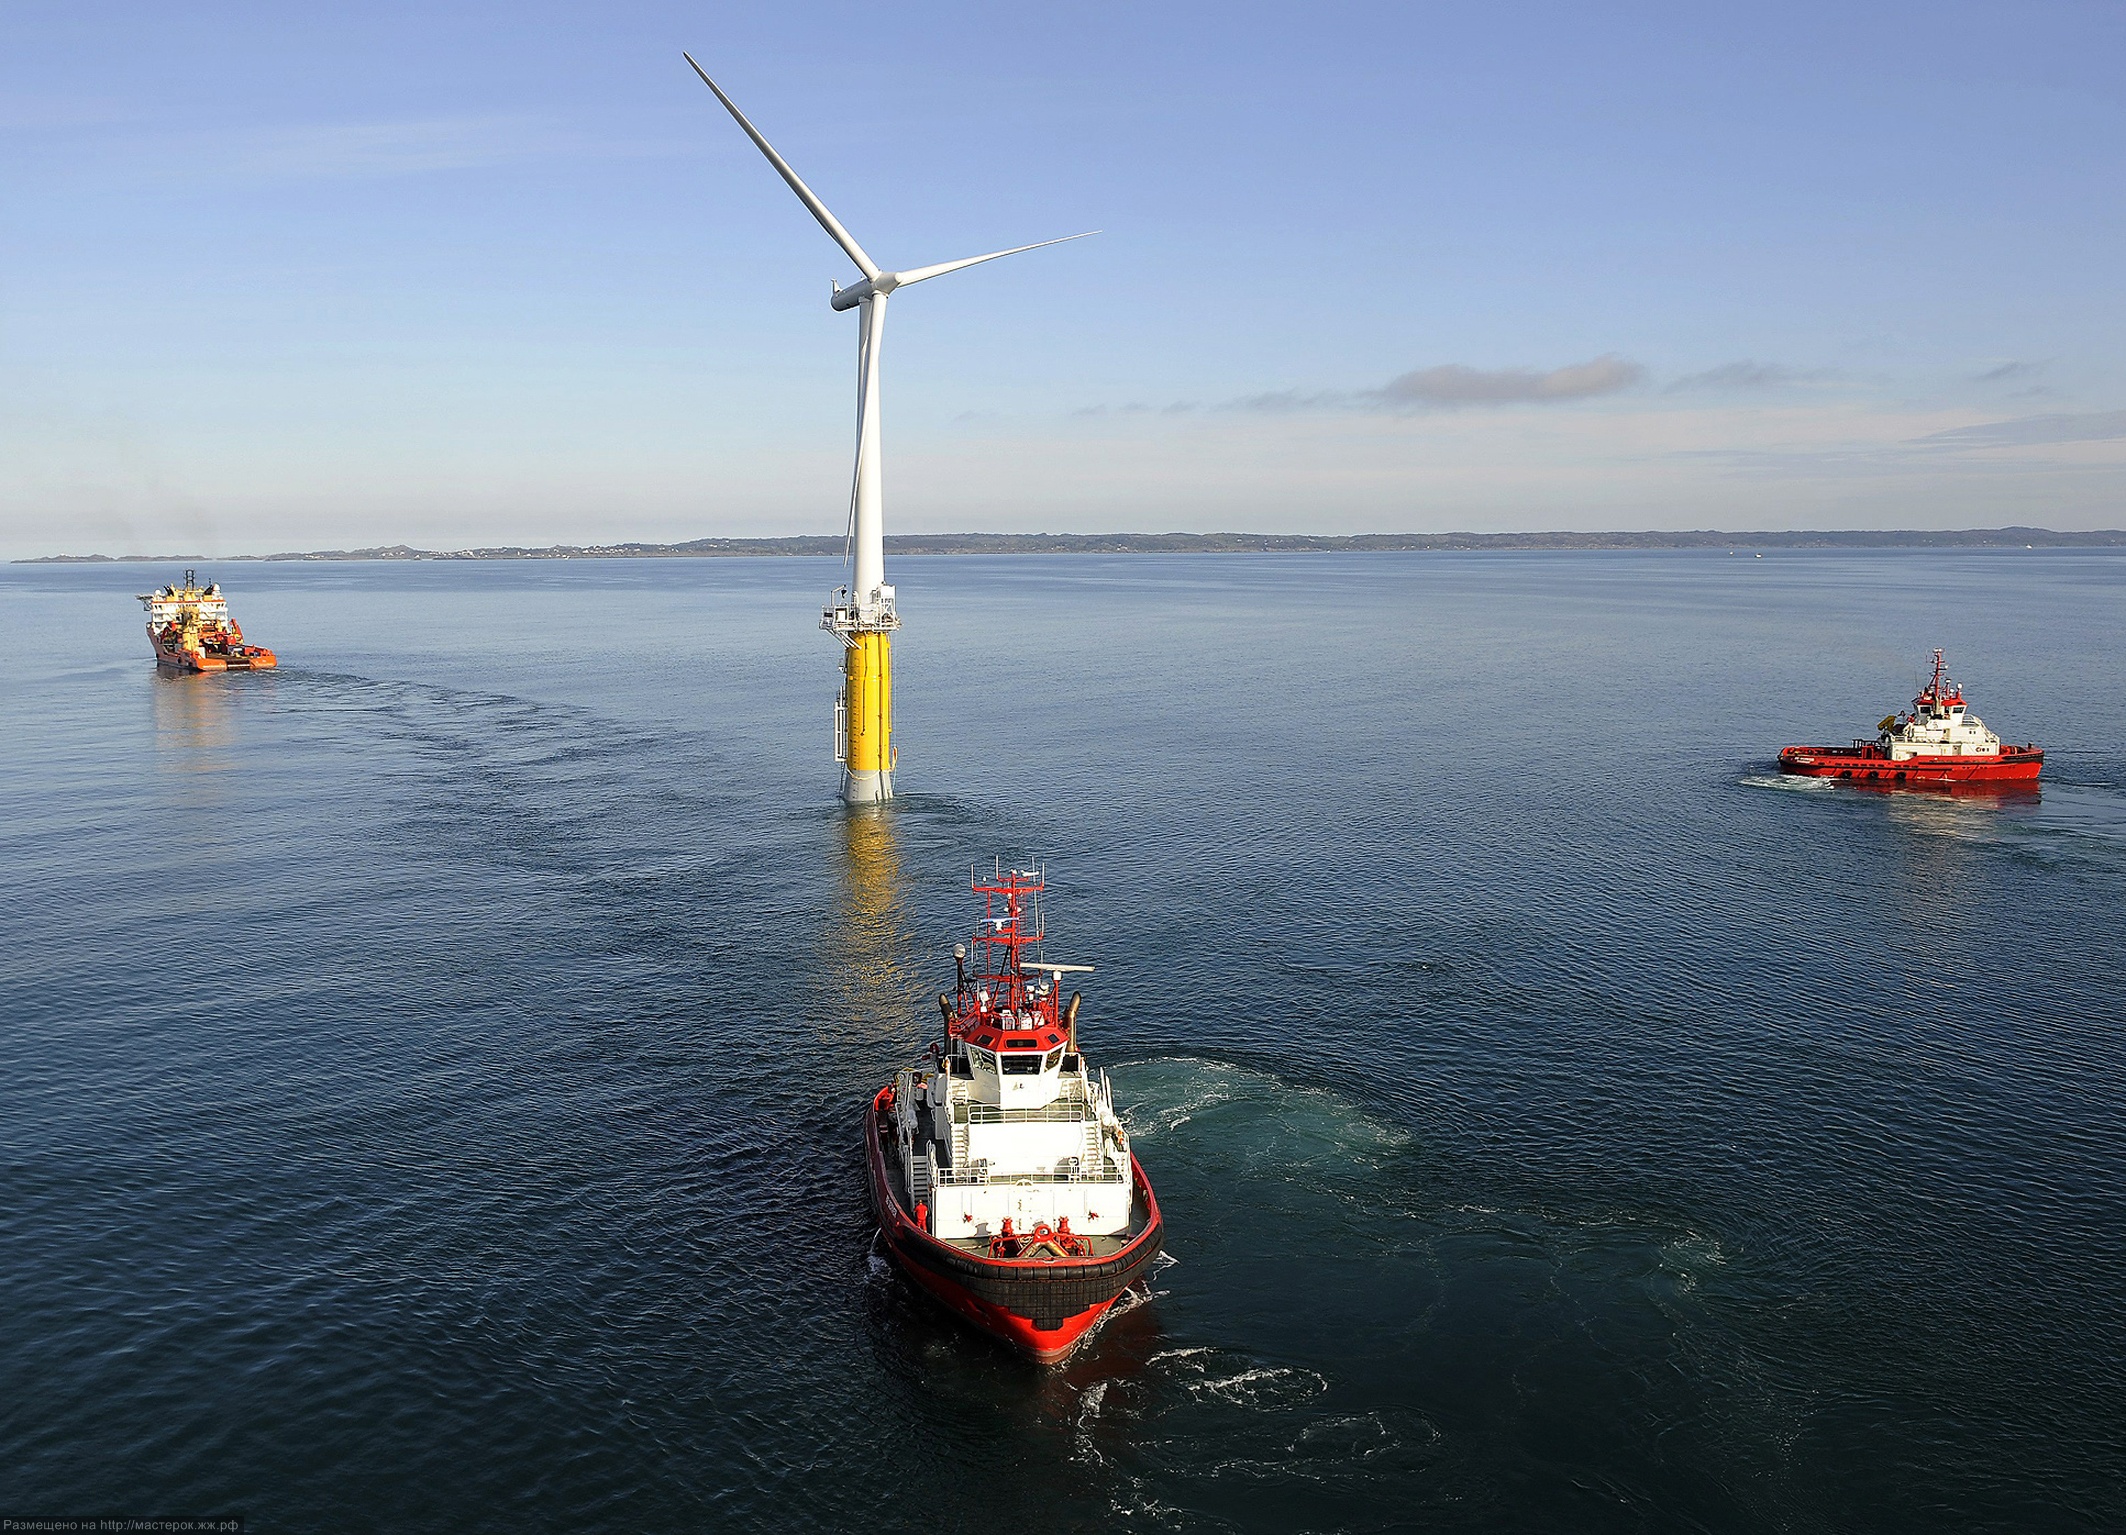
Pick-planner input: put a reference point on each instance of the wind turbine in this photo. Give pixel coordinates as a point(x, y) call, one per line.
point(863, 615)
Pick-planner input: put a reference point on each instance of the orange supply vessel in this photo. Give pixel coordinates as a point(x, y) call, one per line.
point(1004, 1183)
point(1936, 744)
point(190, 630)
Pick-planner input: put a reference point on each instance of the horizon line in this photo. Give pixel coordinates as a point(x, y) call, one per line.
point(823, 545)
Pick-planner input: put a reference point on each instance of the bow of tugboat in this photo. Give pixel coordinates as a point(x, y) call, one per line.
point(1002, 1177)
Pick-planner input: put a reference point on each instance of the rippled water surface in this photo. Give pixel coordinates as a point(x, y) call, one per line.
point(429, 1076)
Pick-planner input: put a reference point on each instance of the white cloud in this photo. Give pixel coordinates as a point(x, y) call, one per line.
point(532, 477)
point(376, 148)
point(2008, 372)
point(2031, 431)
point(1453, 384)
point(1746, 374)
point(403, 148)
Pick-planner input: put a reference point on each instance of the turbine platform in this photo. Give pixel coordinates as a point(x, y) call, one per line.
point(845, 619)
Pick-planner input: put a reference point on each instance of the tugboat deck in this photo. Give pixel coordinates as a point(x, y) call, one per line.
point(977, 1164)
point(916, 1181)
point(1100, 1246)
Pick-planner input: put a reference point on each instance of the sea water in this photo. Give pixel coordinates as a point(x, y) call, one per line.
point(430, 1072)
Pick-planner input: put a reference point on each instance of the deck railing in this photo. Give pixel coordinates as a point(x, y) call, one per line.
point(1061, 1112)
point(1083, 1098)
point(979, 1175)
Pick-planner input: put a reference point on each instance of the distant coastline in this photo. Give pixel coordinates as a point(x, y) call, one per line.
point(1181, 543)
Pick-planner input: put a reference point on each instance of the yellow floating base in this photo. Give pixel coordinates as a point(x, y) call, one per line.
point(867, 693)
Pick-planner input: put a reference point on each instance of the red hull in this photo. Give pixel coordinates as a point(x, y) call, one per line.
point(1040, 1307)
point(1021, 1334)
point(197, 663)
point(235, 658)
point(1867, 763)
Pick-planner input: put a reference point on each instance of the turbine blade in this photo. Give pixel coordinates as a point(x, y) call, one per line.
point(805, 195)
point(922, 272)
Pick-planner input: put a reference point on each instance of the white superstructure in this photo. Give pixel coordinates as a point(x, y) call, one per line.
point(1940, 727)
point(173, 604)
point(1011, 1124)
point(1025, 1136)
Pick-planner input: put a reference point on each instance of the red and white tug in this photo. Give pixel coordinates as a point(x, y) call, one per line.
point(1936, 744)
point(1004, 1183)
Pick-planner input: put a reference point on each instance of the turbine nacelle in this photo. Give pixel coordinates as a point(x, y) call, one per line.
point(887, 282)
point(870, 287)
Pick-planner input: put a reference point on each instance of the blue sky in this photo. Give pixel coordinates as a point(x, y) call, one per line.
point(276, 278)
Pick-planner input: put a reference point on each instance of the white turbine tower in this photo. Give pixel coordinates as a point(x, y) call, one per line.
point(865, 617)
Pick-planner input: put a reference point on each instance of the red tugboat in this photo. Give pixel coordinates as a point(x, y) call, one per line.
point(1004, 1183)
point(1934, 745)
point(190, 630)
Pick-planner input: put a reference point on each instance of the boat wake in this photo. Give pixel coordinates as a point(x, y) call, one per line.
point(1788, 781)
point(1221, 1084)
point(1251, 1362)
point(1129, 1300)
point(1371, 1436)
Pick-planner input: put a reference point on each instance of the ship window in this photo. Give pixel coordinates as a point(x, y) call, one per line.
point(1055, 1059)
point(985, 1060)
point(1022, 1065)
point(1027, 1043)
